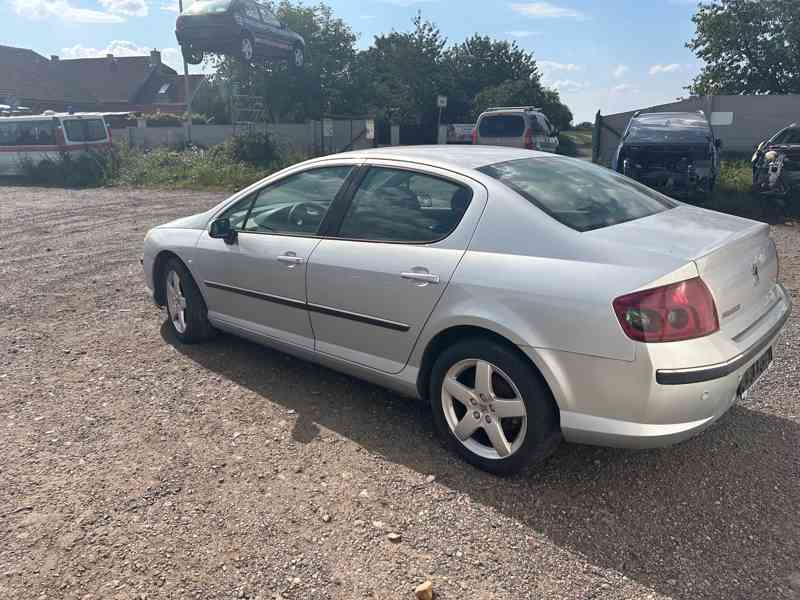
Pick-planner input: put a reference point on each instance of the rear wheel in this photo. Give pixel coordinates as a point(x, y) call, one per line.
point(186, 309)
point(491, 407)
point(247, 49)
point(298, 59)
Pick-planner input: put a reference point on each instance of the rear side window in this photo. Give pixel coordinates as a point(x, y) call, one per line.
point(27, 133)
point(579, 194)
point(394, 205)
point(502, 126)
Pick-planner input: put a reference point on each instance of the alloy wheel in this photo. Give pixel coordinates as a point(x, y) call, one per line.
point(299, 57)
point(176, 302)
point(484, 409)
point(247, 49)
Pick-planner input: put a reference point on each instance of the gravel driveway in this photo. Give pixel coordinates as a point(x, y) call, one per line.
point(134, 467)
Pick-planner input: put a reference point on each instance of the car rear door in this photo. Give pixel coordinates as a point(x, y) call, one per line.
point(373, 283)
point(258, 283)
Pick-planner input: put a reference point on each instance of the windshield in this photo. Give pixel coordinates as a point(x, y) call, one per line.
point(579, 194)
point(666, 129)
point(207, 7)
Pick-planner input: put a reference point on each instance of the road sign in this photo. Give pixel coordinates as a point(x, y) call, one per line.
point(441, 101)
point(327, 127)
point(370, 127)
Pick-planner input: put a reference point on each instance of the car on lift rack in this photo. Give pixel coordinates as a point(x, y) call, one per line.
point(675, 153)
point(244, 28)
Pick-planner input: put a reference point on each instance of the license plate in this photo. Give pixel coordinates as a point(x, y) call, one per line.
point(754, 371)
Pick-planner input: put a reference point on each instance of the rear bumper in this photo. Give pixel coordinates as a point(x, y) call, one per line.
point(637, 405)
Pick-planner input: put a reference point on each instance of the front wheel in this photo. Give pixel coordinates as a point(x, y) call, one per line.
point(492, 408)
point(186, 310)
point(247, 49)
point(298, 59)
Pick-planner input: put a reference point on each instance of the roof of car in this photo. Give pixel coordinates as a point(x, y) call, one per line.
point(446, 156)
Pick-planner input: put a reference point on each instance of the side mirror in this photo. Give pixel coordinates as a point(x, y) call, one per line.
point(718, 143)
point(221, 229)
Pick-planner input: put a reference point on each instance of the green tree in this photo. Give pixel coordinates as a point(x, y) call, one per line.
point(748, 47)
point(325, 84)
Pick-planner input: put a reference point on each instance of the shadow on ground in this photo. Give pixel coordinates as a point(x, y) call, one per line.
point(720, 508)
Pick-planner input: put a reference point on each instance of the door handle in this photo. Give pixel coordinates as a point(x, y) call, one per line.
point(291, 259)
point(425, 277)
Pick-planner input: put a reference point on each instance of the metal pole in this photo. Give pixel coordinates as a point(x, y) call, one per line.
point(439, 125)
point(186, 89)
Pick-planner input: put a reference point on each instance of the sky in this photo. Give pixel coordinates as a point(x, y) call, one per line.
point(611, 56)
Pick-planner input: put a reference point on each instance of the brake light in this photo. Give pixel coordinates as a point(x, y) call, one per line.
point(529, 139)
point(110, 139)
point(671, 313)
point(475, 135)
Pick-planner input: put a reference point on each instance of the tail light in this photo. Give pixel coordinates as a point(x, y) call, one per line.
point(110, 139)
point(475, 135)
point(529, 139)
point(675, 312)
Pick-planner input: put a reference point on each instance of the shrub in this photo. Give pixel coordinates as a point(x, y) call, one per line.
point(257, 148)
point(88, 169)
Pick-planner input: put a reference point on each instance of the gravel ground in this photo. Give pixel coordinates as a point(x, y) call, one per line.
point(134, 467)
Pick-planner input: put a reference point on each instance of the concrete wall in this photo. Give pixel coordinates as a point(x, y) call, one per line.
point(754, 118)
point(306, 138)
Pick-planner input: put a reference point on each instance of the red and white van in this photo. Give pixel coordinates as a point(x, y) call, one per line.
point(42, 137)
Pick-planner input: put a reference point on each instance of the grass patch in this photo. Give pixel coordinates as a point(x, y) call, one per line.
point(733, 193)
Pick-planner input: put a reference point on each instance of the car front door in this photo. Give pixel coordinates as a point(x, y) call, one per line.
point(257, 284)
point(375, 280)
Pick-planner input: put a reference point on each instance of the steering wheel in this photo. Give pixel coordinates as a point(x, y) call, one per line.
point(305, 212)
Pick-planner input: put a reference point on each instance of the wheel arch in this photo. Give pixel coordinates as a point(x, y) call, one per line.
point(456, 333)
point(158, 274)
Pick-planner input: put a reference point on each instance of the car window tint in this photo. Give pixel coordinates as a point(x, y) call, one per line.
point(268, 17)
point(393, 205)
point(75, 131)
point(502, 126)
point(27, 133)
point(579, 194)
point(792, 136)
point(95, 130)
point(298, 204)
point(538, 125)
point(252, 12)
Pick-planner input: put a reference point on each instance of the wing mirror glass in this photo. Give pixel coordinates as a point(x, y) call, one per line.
point(221, 229)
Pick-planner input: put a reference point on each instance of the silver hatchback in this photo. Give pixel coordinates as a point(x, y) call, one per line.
point(528, 297)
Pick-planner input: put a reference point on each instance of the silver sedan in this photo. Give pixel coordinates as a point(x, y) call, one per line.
point(528, 297)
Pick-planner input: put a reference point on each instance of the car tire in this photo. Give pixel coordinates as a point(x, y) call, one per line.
point(297, 60)
point(515, 412)
point(247, 48)
point(192, 56)
point(187, 314)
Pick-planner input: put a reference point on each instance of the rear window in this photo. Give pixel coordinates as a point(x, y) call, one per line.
point(500, 126)
point(579, 194)
point(672, 129)
point(207, 7)
point(85, 130)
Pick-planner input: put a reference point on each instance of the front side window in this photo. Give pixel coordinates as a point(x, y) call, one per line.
point(394, 205)
point(502, 126)
point(578, 194)
point(252, 12)
point(295, 205)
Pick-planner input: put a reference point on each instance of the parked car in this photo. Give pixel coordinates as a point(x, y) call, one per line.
point(776, 164)
point(517, 127)
point(527, 296)
point(244, 28)
point(676, 153)
point(35, 139)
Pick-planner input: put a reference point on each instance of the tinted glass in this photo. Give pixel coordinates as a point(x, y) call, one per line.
point(296, 205)
point(27, 133)
point(502, 126)
point(75, 131)
point(790, 136)
point(579, 194)
point(238, 212)
point(669, 129)
point(252, 11)
point(205, 7)
point(95, 130)
point(392, 205)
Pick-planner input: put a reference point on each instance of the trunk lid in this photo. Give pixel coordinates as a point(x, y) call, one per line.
point(735, 257)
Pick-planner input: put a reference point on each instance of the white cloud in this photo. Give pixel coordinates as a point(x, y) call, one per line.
point(522, 34)
point(625, 88)
point(546, 10)
point(117, 48)
point(568, 85)
point(619, 71)
point(658, 69)
point(62, 9)
point(130, 8)
point(170, 5)
point(549, 65)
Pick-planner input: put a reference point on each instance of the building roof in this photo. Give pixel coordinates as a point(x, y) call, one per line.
point(27, 75)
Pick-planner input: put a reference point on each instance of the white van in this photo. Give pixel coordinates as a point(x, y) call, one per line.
point(45, 137)
point(516, 126)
